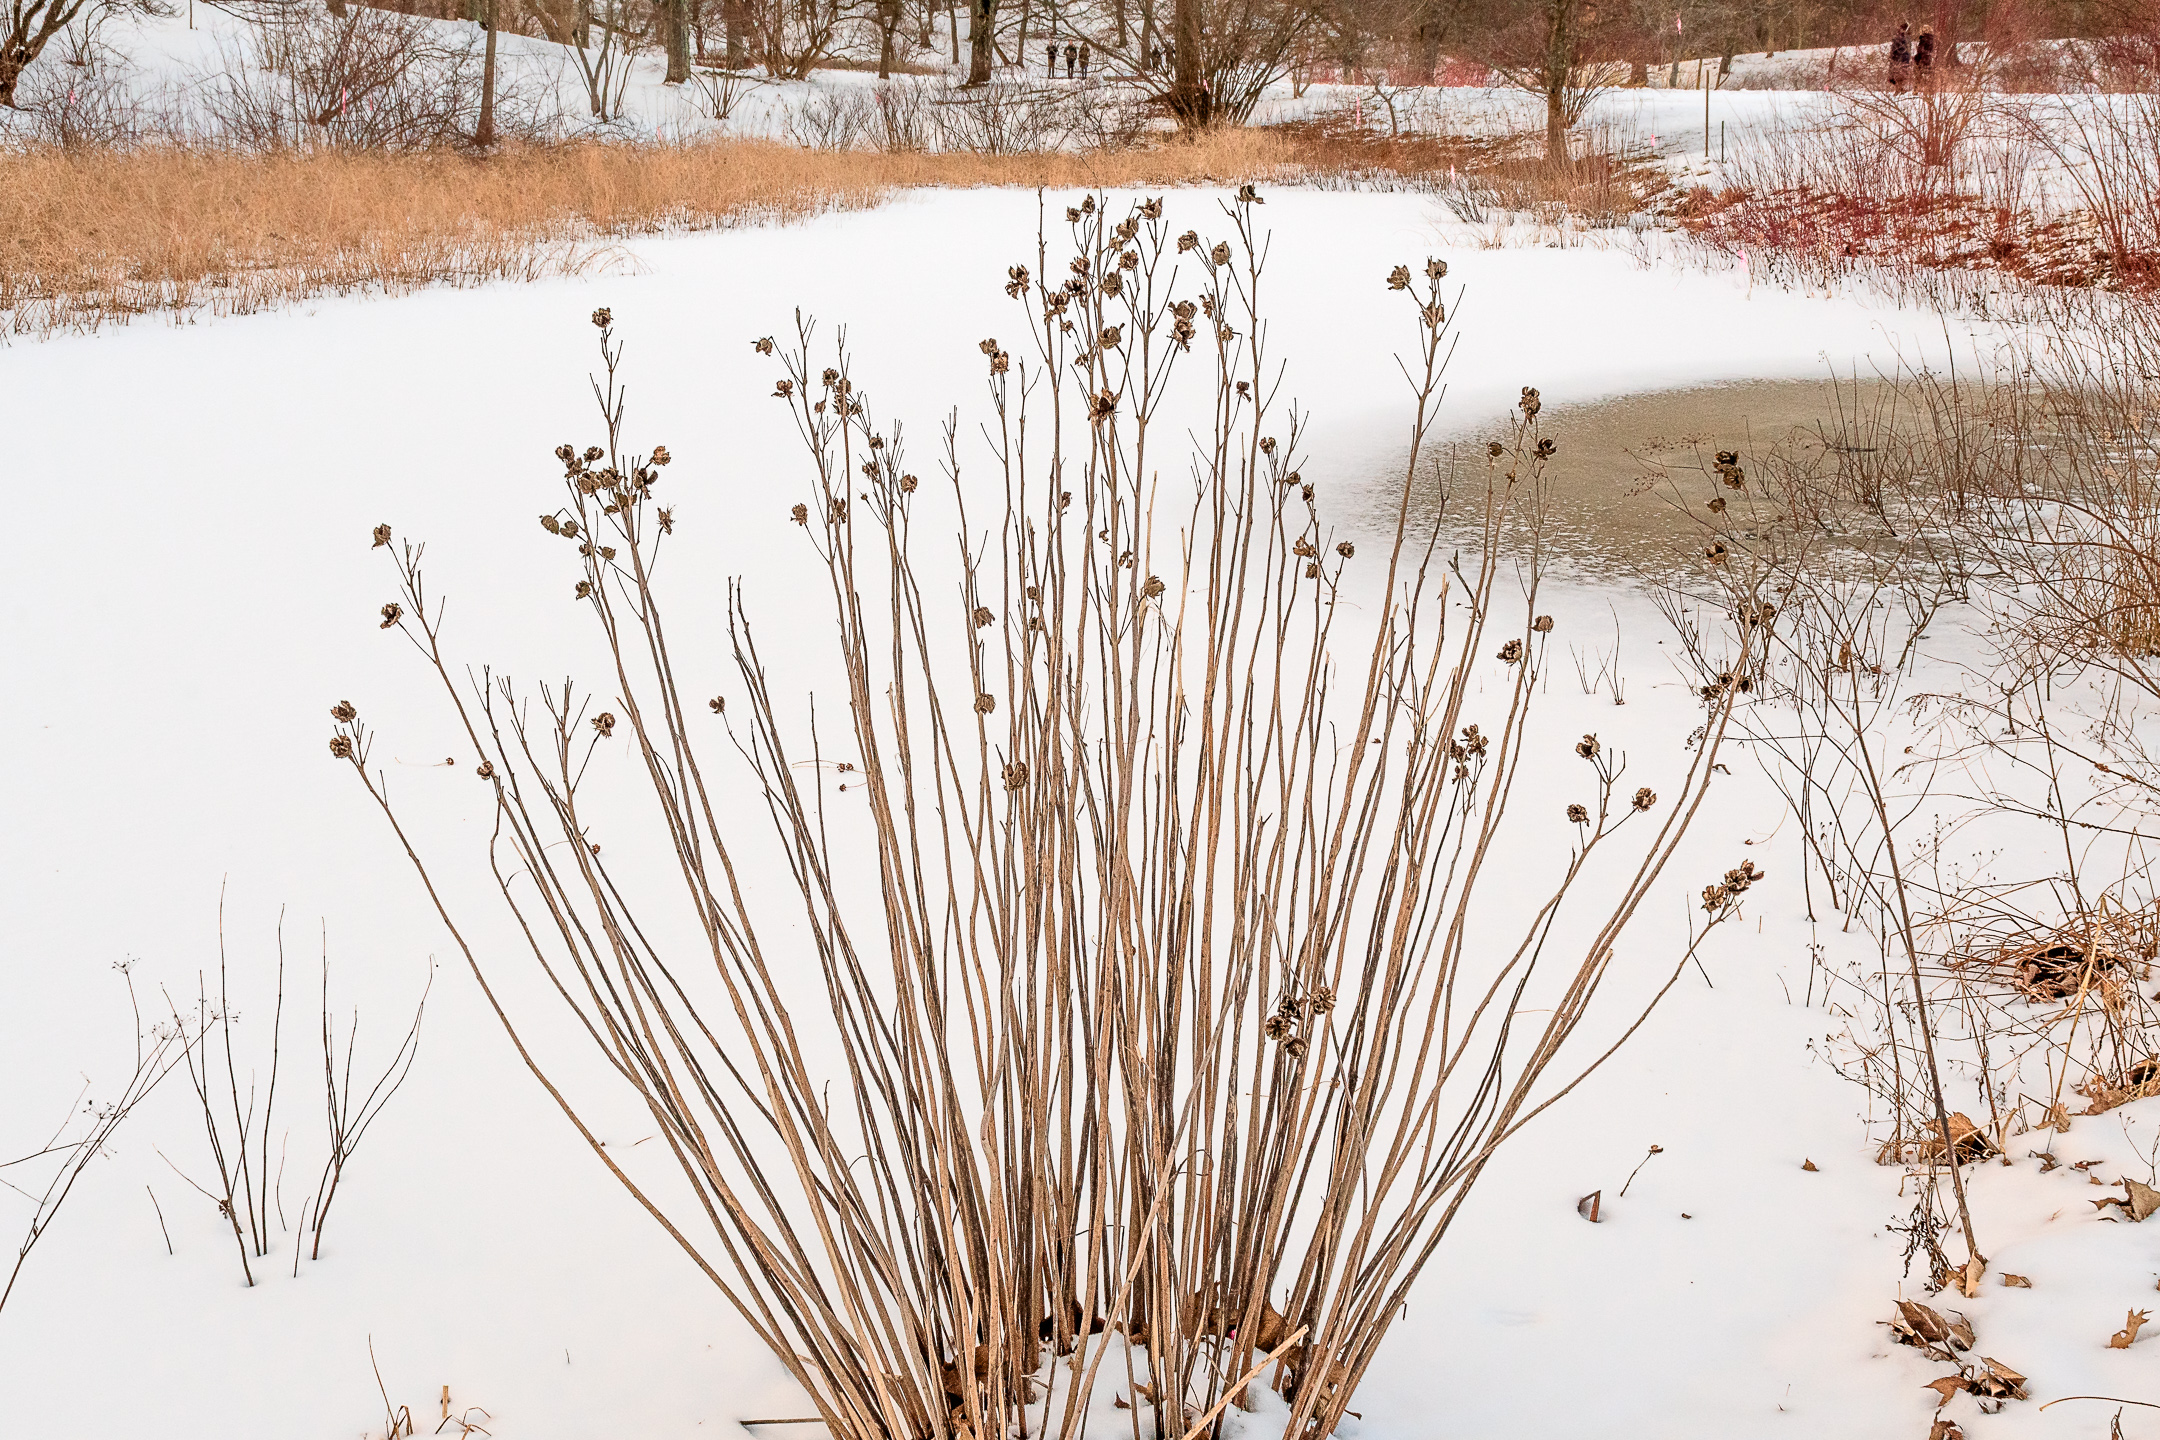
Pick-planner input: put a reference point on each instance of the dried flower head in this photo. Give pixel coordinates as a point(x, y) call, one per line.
point(1588, 747)
point(763, 345)
point(1578, 815)
point(783, 388)
point(1016, 774)
point(569, 528)
point(718, 704)
point(603, 317)
point(1248, 195)
point(1545, 449)
point(604, 722)
point(1294, 1047)
point(1399, 278)
point(1530, 403)
point(344, 713)
point(800, 514)
point(486, 770)
point(1511, 652)
point(1267, 444)
point(1113, 283)
point(1278, 1027)
point(1152, 588)
point(1345, 549)
point(382, 537)
point(1542, 625)
point(982, 616)
point(985, 703)
point(1717, 505)
point(1474, 740)
point(1323, 999)
point(1645, 798)
point(1716, 553)
point(1152, 209)
point(1103, 406)
point(1016, 281)
point(1113, 336)
point(836, 512)
point(550, 524)
point(584, 590)
point(1495, 449)
point(1190, 240)
point(1435, 270)
point(667, 520)
point(1220, 255)
point(1312, 571)
point(391, 614)
point(341, 747)
point(660, 455)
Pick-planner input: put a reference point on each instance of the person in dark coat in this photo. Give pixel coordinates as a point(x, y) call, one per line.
point(1923, 58)
point(1072, 58)
point(1083, 59)
point(1901, 56)
point(1053, 60)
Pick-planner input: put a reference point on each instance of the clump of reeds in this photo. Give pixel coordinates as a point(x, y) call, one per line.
point(1158, 954)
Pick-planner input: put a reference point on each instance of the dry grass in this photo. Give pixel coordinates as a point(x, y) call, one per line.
point(93, 237)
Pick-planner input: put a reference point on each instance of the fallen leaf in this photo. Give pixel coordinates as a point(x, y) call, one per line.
point(1946, 1387)
point(1123, 1403)
point(2016, 1281)
point(1945, 1429)
point(2124, 1338)
point(2137, 1201)
point(1999, 1380)
point(1588, 1206)
point(1809, 1166)
point(1924, 1328)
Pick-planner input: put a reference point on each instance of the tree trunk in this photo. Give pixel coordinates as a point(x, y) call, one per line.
point(1559, 69)
point(888, 22)
point(484, 135)
point(1188, 97)
point(735, 23)
point(981, 15)
point(675, 25)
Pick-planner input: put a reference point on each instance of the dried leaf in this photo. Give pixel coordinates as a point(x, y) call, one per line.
point(1924, 1328)
point(2137, 1201)
point(1998, 1380)
point(1589, 1205)
point(1945, 1429)
point(1946, 1387)
point(2124, 1338)
point(1809, 1166)
point(2018, 1282)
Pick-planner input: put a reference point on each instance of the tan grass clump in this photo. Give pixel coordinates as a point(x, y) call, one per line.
point(91, 237)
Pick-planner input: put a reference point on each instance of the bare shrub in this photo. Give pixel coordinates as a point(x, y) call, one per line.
point(1182, 978)
point(722, 90)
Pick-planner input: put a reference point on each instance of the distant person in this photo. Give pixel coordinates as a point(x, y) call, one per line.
point(1072, 58)
point(1053, 59)
point(1901, 56)
point(1083, 59)
point(1923, 58)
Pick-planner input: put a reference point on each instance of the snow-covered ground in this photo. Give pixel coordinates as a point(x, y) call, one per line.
point(194, 589)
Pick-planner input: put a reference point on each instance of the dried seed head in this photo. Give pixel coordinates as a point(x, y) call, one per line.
point(1302, 547)
point(1717, 505)
point(344, 713)
point(1278, 1027)
point(908, 484)
point(1267, 444)
point(1545, 449)
point(584, 590)
point(1530, 402)
point(1087, 204)
point(603, 317)
point(838, 511)
point(486, 770)
point(1645, 798)
point(1072, 214)
point(1103, 406)
point(1716, 553)
point(763, 345)
point(1034, 592)
point(1016, 774)
point(382, 537)
point(391, 614)
point(604, 722)
point(1247, 195)
point(982, 616)
point(1475, 741)
point(1113, 336)
point(985, 703)
point(1016, 282)
point(988, 347)
point(1578, 815)
point(1588, 747)
point(550, 524)
point(1399, 278)
point(1153, 588)
point(341, 747)
point(1130, 259)
point(1151, 209)
point(1511, 651)
point(660, 455)
point(1542, 625)
point(667, 520)
point(569, 528)
point(1345, 549)
point(782, 389)
point(1113, 283)
point(567, 454)
point(1312, 571)
point(1323, 999)
point(1221, 253)
point(831, 377)
point(718, 704)
point(1294, 1047)
point(1494, 449)
point(1435, 270)
point(800, 514)
point(1190, 240)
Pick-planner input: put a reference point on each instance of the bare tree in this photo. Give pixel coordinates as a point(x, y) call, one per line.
point(30, 25)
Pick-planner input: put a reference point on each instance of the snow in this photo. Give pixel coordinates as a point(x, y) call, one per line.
point(194, 589)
